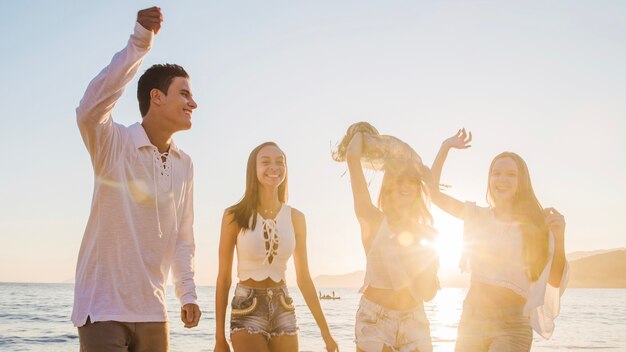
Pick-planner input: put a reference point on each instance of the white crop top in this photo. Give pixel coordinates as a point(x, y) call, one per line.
point(263, 252)
point(396, 261)
point(494, 251)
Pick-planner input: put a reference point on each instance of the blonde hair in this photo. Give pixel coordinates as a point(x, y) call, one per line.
point(398, 169)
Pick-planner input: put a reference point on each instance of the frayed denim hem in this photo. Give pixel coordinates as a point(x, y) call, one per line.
point(250, 330)
point(285, 333)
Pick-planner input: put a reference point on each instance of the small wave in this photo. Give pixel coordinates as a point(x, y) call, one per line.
point(9, 340)
point(25, 318)
point(40, 340)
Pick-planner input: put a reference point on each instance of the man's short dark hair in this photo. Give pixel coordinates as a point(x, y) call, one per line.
point(158, 76)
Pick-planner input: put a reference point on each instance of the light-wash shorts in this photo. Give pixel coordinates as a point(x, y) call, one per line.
point(266, 311)
point(401, 330)
point(494, 330)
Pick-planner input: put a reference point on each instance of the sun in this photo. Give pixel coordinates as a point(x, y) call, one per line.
point(449, 243)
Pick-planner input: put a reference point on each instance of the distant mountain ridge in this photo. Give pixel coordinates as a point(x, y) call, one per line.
point(583, 254)
point(350, 280)
point(607, 270)
point(594, 269)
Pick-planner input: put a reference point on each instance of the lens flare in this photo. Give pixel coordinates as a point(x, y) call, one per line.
point(406, 239)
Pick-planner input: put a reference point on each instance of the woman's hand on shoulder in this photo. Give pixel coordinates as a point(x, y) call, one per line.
point(556, 223)
point(460, 140)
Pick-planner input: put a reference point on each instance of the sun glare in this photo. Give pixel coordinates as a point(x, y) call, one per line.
point(405, 239)
point(449, 242)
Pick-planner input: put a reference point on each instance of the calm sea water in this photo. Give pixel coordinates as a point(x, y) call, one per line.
point(35, 317)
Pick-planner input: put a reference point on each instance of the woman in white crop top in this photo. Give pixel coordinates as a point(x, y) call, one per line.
point(401, 265)
point(266, 232)
point(515, 250)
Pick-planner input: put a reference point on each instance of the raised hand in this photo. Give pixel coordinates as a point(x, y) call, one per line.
point(461, 140)
point(556, 223)
point(355, 147)
point(150, 19)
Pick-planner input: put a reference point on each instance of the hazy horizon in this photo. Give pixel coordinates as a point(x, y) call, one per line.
point(449, 277)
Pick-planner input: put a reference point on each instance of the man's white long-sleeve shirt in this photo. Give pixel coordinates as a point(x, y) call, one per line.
point(141, 220)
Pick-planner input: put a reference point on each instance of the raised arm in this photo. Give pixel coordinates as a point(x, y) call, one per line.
point(305, 283)
point(228, 238)
point(367, 213)
point(94, 111)
point(445, 202)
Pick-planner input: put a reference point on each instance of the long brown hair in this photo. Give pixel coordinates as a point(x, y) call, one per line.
point(395, 170)
point(246, 209)
point(529, 213)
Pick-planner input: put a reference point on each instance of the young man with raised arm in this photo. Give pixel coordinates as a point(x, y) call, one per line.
point(141, 221)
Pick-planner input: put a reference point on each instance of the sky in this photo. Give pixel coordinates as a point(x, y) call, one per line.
point(543, 79)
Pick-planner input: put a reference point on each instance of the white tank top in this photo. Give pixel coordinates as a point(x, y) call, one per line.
point(263, 252)
point(396, 261)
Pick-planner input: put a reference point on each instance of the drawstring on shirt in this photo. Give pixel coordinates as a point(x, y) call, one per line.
point(270, 237)
point(157, 157)
point(159, 163)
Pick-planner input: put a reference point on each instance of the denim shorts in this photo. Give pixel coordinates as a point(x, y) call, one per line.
point(494, 330)
point(266, 311)
point(401, 330)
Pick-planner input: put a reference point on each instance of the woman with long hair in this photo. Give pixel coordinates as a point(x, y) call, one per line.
point(266, 232)
point(515, 250)
point(396, 234)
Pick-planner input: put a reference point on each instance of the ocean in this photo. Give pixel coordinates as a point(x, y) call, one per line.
point(36, 317)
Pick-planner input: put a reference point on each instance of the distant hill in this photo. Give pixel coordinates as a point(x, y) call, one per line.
point(351, 280)
point(355, 280)
point(596, 269)
point(606, 270)
point(583, 254)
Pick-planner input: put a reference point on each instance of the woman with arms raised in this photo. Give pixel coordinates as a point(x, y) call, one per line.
point(516, 257)
point(401, 265)
point(266, 232)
